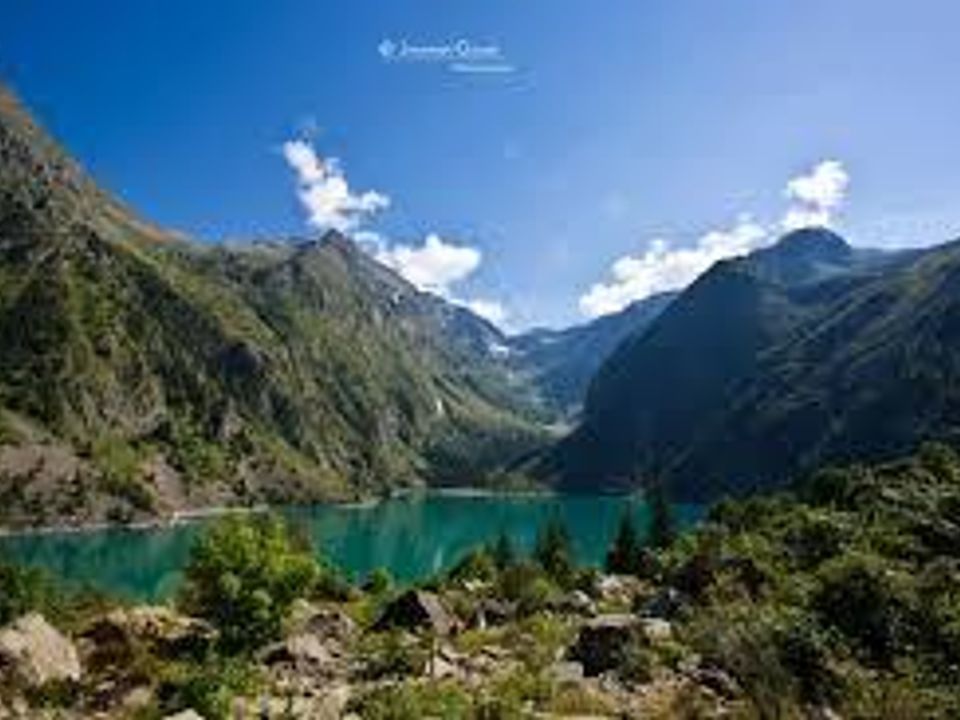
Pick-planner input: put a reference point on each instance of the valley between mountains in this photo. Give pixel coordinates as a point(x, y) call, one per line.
point(142, 373)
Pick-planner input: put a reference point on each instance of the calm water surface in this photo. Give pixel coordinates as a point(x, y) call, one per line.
point(412, 536)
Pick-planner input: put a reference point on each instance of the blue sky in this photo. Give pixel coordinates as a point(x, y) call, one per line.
point(632, 141)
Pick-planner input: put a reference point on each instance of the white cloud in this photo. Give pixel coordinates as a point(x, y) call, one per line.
point(816, 196)
point(662, 267)
point(324, 192)
point(433, 266)
point(436, 266)
point(492, 310)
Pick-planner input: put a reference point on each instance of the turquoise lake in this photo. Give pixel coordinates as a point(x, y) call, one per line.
point(412, 536)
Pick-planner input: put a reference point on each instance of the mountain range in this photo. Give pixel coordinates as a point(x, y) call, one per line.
point(142, 373)
point(803, 353)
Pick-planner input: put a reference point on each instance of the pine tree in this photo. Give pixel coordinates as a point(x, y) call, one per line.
point(623, 555)
point(662, 529)
point(553, 551)
point(503, 552)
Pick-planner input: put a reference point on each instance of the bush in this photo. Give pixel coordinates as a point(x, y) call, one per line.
point(503, 552)
point(208, 688)
point(478, 564)
point(378, 582)
point(243, 575)
point(553, 552)
point(525, 584)
point(412, 702)
point(623, 556)
point(867, 601)
point(24, 590)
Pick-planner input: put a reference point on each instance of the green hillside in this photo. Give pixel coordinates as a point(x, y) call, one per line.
point(141, 372)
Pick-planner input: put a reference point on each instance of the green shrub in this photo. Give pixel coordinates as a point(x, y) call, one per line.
point(392, 654)
point(553, 552)
point(24, 590)
point(243, 575)
point(869, 602)
point(478, 564)
point(208, 688)
point(526, 584)
point(409, 701)
point(623, 556)
point(379, 582)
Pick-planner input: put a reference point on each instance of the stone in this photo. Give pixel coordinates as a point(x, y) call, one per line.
point(603, 642)
point(185, 715)
point(565, 672)
point(666, 604)
point(716, 680)
point(163, 630)
point(36, 653)
point(331, 624)
point(492, 612)
point(657, 630)
point(619, 589)
point(417, 610)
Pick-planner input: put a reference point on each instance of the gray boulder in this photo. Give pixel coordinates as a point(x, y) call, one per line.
point(35, 653)
point(417, 610)
point(603, 642)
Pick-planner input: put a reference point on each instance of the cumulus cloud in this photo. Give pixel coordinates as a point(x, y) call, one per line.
point(662, 267)
point(814, 199)
point(437, 266)
point(433, 266)
point(324, 191)
point(816, 196)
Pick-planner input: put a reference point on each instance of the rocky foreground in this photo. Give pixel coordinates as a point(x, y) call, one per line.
point(446, 651)
point(841, 600)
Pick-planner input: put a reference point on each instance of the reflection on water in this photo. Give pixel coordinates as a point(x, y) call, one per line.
point(412, 536)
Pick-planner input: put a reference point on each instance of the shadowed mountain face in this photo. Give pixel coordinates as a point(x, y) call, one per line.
point(561, 363)
point(140, 372)
point(802, 353)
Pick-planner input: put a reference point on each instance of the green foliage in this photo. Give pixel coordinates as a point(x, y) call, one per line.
point(413, 702)
point(869, 602)
point(24, 590)
point(504, 554)
point(119, 462)
point(379, 582)
point(526, 584)
point(392, 654)
point(553, 552)
point(662, 530)
point(208, 688)
point(244, 574)
point(623, 556)
point(478, 564)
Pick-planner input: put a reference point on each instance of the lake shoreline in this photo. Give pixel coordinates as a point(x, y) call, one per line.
point(191, 515)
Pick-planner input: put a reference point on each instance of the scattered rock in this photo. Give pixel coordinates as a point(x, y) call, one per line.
point(619, 589)
point(666, 604)
point(331, 624)
point(603, 642)
point(577, 603)
point(164, 631)
point(657, 630)
point(716, 680)
point(185, 715)
point(492, 612)
point(36, 653)
point(417, 610)
point(565, 672)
